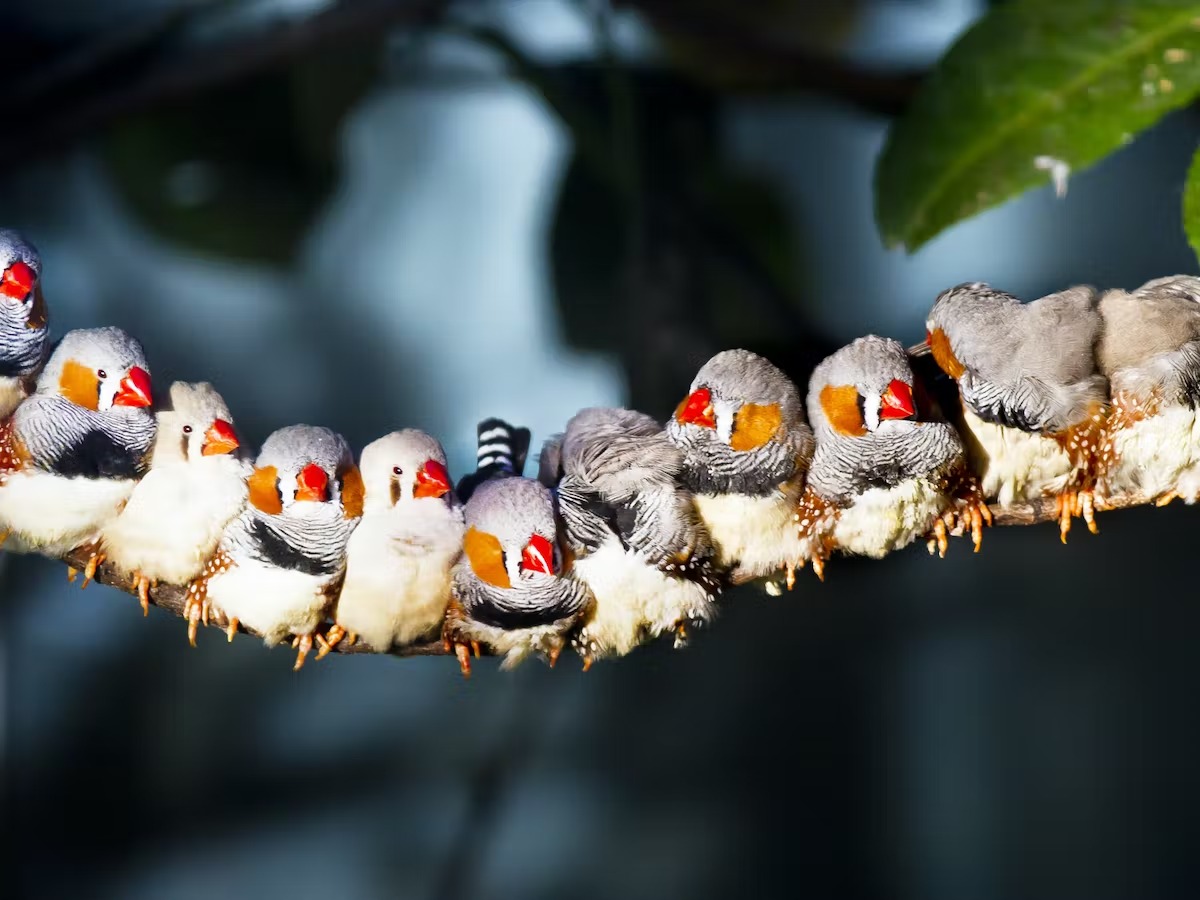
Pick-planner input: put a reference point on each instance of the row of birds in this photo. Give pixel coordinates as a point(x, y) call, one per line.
point(631, 529)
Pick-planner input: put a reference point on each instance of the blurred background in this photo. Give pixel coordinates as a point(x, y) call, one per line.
point(371, 214)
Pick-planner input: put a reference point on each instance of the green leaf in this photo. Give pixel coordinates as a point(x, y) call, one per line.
point(1070, 81)
point(1191, 205)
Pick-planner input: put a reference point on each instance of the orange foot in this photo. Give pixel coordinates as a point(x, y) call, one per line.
point(1075, 502)
point(681, 635)
point(302, 643)
point(938, 541)
point(143, 586)
point(1161, 500)
point(330, 640)
point(196, 610)
point(95, 560)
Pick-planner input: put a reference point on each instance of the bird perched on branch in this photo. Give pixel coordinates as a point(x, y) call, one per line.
point(399, 558)
point(746, 449)
point(1150, 353)
point(1034, 402)
point(195, 487)
point(24, 335)
point(73, 451)
point(512, 590)
point(880, 476)
point(280, 563)
point(638, 542)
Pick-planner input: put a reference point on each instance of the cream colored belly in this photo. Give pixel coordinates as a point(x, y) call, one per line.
point(390, 595)
point(634, 601)
point(172, 524)
point(274, 602)
point(53, 515)
point(1015, 465)
point(11, 395)
point(1159, 454)
point(757, 534)
point(886, 519)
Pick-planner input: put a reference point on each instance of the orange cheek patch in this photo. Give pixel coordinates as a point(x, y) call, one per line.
point(264, 490)
point(840, 405)
point(939, 345)
point(37, 313)
point(755, 426)
point(486, 557)
point(80, 385)
point(353, 493)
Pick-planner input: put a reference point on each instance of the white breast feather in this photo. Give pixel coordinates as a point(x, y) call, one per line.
point(11, 394)
point(1015, 465)
point(758, 533)
point(885, 519)
point(634, 600)
point(1159, 454)
point(53, 515)
point(398, 574)
point(274, 602)
point(175, 518)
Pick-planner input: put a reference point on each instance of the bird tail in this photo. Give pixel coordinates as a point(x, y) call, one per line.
point(502, 450)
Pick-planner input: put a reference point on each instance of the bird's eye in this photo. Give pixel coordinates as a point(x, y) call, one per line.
point(102, 374)
point(397, 471)
point(187, 429)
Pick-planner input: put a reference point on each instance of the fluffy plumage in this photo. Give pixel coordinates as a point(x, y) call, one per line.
point(399, 558)
point(279, 564)
point(746, 449)
point(24, 335)
point(1150, 352)
point(638, 542)
point(196, 485)
point(74, 450)
point(880, 477)
point(1034, 401)
point(512, 589)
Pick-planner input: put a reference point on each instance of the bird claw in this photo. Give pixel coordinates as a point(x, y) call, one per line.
point(1074, 502)
point(463, 652)
point(1161, 500)
point(327, 642)
point(818, 564)
point(681, 635)
point(790, 568)
point(940, 538)
point(143, 586)
point(230, 629)
point(95, 560)
point(553, 654)
point(194, 611)
point(303, 643)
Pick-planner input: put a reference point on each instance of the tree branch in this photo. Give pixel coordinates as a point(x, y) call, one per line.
point(172, 598)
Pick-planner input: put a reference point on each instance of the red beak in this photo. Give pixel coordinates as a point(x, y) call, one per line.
point(312, 484)
point(697, 409)
point(432, 480)
point(17, 281)
point(135, 389)
point(220, 439)
point(897, 401)
point(538, 556)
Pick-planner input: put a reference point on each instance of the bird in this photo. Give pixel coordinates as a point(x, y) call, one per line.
point(73, 451)
point(1034, 403)
point(280, 563)
point(399, 558)
point(195, 487)
point(1150, 352)
point(512, 590)
point(746, 449)
point(24, 331)
point(633, 529)
point(881, 476)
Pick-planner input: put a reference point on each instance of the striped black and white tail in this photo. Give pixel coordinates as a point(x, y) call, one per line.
point(502, 450)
